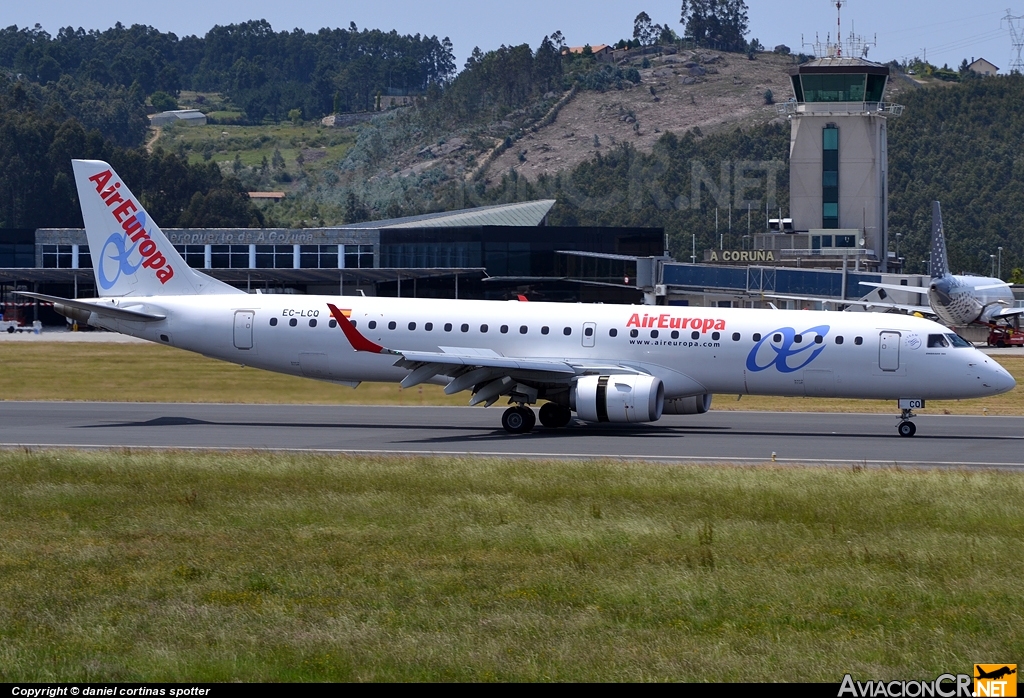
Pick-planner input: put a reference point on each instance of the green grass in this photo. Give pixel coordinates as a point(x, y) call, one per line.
point(257, 567)
point(253, 143)
point(154, 373)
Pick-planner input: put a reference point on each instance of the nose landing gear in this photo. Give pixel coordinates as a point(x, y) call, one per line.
point(906, 427)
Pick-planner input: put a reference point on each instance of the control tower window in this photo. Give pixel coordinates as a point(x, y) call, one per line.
point(830, 177)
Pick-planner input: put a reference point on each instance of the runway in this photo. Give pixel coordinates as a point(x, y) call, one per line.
point(743, 437)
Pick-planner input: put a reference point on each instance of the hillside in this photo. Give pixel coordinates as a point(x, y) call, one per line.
point(729, 95)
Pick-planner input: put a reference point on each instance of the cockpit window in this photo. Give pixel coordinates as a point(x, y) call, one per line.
point(958, 341)
point(937, 341)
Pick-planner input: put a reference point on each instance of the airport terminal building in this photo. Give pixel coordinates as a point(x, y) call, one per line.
point(492, 252)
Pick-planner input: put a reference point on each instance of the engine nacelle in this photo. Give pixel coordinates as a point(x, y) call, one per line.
point(695, 404)
point(619, 398)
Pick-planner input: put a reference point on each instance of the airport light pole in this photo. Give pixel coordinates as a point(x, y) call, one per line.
point(993, 258)
point(1000, 272)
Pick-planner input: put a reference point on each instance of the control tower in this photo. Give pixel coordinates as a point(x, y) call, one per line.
point(838, 163)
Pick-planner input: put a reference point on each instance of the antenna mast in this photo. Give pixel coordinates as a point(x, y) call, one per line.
point(1016, 39)
point(839, 27)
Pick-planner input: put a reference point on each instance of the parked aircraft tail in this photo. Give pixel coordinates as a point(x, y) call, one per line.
point(131, 256)
point(938, 260)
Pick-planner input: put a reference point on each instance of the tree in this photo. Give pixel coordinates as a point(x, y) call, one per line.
point(162, 101)
point(643, 29)
point(720, 24)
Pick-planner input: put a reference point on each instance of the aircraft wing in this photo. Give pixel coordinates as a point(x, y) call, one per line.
point(107, 309)
point(1006, 313)
point(469, 368)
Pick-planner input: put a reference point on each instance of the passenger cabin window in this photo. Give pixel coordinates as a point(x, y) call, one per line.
point(654, 334)
point(589, 331)
point(819, 339)
point(568, 331)
point(858, 340)
point(465, 327)
point(798, 339)
point(777, 338)
point(937, 341)
point(392, 325)
point(412, 326)
point(757, 336)
point(839, 340)
point(293, 322)
point(483, 329)
point(735, 336)
point(429, 327)
point(716, 335)
point(372, 325)
point(355, 323)
point(447, 327)
point(545, 329)
point(504, 329)
point(675, 334)
point(634, 333)
point(273, 322)
point(695, 335)
point(613, 332)
point(523, 329)
point(333, 323)
point(312, 323)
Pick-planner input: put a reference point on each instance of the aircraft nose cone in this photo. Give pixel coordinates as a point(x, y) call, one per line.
point(1004, 382)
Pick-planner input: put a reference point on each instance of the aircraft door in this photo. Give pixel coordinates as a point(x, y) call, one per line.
point(243, 329)
point(589, 333)
point(889, 351)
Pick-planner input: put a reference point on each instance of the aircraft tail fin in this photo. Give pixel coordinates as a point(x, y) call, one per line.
point(131, 256)
point(939, 262)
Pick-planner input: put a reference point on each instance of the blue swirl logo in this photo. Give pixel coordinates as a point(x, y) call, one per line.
point(778, 348)
point(119, 256)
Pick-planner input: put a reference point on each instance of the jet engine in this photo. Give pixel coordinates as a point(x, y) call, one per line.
point(695, 404)
point(619, 398)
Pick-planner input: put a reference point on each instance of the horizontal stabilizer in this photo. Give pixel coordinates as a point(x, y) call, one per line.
point(106, 308)
point(922, 290)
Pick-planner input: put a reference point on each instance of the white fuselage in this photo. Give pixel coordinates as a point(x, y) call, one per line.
point(713, 350)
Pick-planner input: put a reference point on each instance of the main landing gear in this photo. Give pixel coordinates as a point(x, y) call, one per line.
point(520, 419)
point(906, 427)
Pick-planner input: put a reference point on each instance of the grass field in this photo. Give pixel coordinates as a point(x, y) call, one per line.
point(255, 567)
point(319, 145)
point(153, 373)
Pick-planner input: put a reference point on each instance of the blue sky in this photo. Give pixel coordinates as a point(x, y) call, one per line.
point(949, 31)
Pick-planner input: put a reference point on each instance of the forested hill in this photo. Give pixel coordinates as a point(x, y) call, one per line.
point(960, 145)
point(264, 72)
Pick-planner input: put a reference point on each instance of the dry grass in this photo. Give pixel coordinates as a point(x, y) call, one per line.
point(153, 373)
point(256, 567)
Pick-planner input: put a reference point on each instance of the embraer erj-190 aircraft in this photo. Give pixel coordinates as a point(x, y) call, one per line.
point(957, 299)
point(606, 363)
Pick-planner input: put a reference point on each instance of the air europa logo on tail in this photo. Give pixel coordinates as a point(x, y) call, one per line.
point(133, 223)
point(667, 322)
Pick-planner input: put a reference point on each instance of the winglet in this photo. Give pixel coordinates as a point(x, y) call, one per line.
point(357, 340)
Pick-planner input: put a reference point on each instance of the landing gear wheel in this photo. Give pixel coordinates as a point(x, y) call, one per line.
point(555, 416)
point(907, 429)
point(518, 419)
